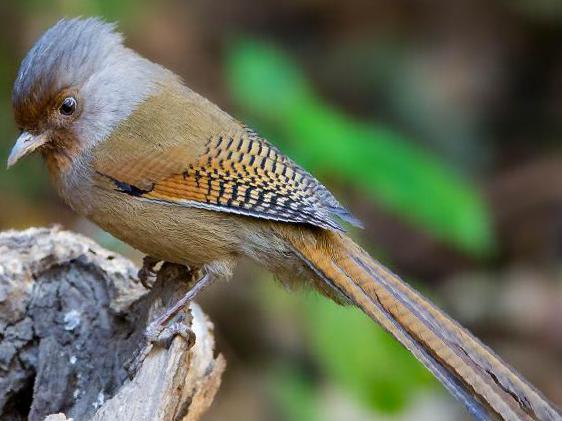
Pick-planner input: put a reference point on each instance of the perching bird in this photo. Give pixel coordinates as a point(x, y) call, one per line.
point(133, 149)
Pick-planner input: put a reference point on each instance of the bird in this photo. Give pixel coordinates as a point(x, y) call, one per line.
point(131, 147)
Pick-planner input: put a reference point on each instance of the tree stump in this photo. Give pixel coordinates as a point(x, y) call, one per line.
point(72, 315)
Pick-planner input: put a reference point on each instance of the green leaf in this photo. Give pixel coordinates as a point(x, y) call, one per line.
point(405, 179)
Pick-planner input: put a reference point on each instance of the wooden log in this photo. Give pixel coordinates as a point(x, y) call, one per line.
point(72, 315)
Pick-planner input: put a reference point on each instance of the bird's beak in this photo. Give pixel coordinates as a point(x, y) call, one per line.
point(25, 144)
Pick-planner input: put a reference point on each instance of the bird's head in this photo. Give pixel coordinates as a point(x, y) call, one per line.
point(75, 85)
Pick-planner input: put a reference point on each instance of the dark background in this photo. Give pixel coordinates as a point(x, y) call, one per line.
point(437, 123)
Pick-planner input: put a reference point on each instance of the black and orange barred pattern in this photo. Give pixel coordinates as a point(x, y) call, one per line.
point(242, 173)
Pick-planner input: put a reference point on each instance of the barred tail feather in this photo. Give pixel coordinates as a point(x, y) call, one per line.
point(469, 370)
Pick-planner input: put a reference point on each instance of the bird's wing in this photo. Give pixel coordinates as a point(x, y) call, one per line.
point(238, 172)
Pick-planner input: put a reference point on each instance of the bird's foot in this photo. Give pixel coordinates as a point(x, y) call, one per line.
point(159, 325)
point(147, 274)
point(162, 336)
point(171, 323)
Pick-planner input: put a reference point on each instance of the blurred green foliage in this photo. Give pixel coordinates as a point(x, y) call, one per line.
point(349, 350)
point(294, 394)
point(410, 182)
point(362, 357)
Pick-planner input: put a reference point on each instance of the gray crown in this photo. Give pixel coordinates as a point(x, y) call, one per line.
point(66, 55)
point(88, 55)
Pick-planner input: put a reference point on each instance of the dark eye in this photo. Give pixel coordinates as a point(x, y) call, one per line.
point(68, 106)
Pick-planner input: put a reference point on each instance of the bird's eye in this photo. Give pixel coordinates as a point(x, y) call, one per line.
point(68, 106)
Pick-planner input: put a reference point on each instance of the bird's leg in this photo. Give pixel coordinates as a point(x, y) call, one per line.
point(159, 332)
point(147, 274)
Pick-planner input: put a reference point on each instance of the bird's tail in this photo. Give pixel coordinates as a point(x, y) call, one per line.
point(469, 370)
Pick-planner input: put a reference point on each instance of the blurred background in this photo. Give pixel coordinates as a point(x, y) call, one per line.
point(438, 123)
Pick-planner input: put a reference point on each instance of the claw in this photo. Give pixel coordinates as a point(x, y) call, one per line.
point(147, 274)
point(171, 323)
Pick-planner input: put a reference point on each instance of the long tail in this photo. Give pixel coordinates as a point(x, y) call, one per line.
point(469, 370)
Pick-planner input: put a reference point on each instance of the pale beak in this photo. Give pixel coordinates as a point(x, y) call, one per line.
point(25, 144)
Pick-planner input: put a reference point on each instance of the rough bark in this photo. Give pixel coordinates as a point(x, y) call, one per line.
point(72, 315)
